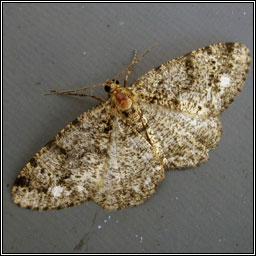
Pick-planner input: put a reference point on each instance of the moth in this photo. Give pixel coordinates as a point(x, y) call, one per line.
point(117, 152)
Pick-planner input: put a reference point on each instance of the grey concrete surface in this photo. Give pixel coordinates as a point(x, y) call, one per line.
point(208, 209)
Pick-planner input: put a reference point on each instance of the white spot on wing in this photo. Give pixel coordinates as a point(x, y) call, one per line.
point(67, 193)
point(193, 122)
point(133, 142)
point(147, 156)
point(136, 188)
point(57, 190)
point(225, 81)
point(147, 181)
point(80, 188)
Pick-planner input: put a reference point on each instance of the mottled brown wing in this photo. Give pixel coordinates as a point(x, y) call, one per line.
point(67, 170)
point(203, 82)
point(134, 167)
point(184, 139)
point(98, 156)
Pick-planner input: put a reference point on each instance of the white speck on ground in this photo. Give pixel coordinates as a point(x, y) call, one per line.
point(99, 227)
point(141, 238)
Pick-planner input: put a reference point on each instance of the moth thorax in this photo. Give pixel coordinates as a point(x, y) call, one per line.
point(123, 101)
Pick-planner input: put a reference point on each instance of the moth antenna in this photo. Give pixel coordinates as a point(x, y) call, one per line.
point(74, 90)
point(135, 60)
point(53, 92)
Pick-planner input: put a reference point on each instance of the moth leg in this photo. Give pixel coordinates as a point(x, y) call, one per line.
point(76, 94)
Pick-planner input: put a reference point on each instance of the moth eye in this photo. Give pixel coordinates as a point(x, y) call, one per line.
point(107, 88)
point(115, 81)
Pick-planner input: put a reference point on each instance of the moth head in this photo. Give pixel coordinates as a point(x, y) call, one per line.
point(120, 96)
point(111, 84)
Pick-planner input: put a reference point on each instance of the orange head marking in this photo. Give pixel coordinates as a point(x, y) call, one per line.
point(123, 101)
